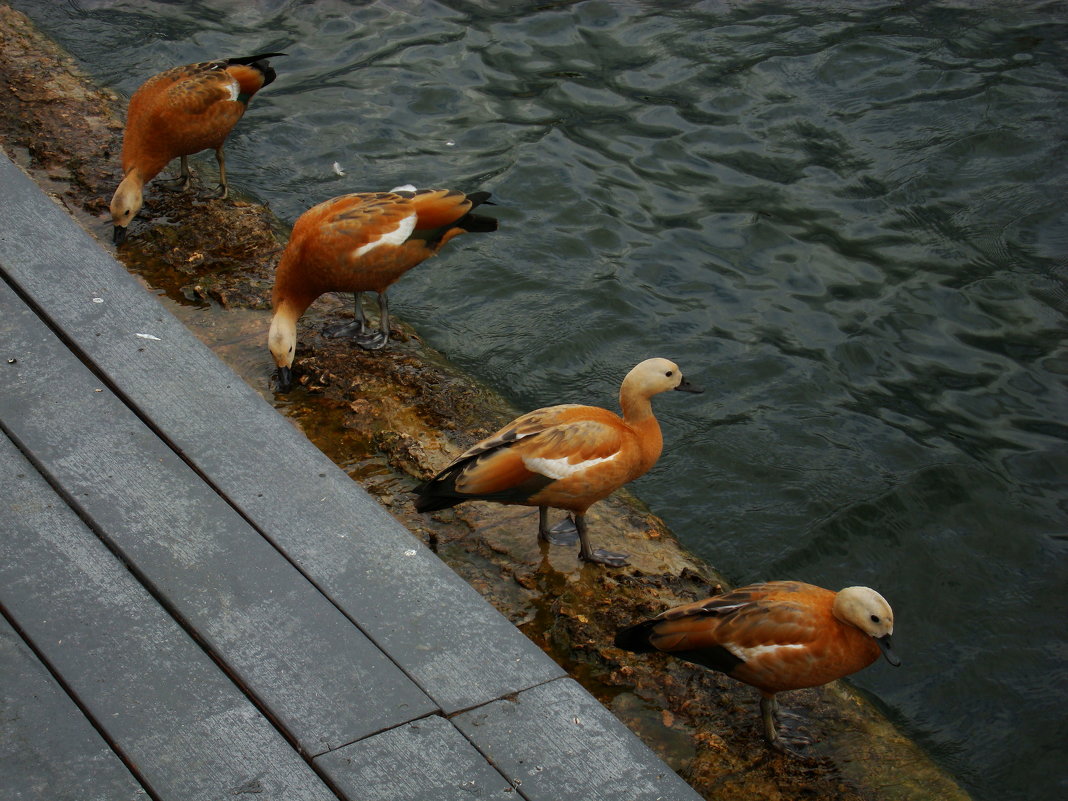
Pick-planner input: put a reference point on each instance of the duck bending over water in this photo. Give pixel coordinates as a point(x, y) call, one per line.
point(775, 636)
point(564, 457)
point(362, 243)
point(178, 113)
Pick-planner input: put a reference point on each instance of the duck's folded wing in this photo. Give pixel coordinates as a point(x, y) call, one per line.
point(365, 216)
point(741, 626)
point(199, 87)
point(527, 425)
point(571, 448)
point(531, 454)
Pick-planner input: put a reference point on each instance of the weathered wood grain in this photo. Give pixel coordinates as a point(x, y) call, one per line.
point(180, 723)
point(556, 743)
point(426, 760)
point(49, 751)
point(318, 675)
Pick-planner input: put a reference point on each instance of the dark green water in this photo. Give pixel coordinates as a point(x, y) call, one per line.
point(848, 223)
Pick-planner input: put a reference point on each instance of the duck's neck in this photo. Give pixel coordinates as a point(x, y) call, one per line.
point(290, 294)
point(133, 181)
point(143, 159)
point(638, 415)
point(636, 408)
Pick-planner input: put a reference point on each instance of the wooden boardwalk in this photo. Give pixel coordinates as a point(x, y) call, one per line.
point(197, 604)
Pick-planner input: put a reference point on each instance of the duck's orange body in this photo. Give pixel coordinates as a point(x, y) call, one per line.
point(565, 457)
point(363, 243)
point(178, 113)
point(775, 636)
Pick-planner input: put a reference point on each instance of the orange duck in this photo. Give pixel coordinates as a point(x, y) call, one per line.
point(564, 457)
point(180, 112)
point(362, 243)
point(775, 636)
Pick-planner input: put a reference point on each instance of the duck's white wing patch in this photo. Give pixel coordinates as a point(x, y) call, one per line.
point(233, 86)
point(398, 236)
point(560, 468)
point(404, 188)
point(747, 654)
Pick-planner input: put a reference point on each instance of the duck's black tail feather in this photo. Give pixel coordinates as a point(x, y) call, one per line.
point(478, 223)
point(439, 492)
point(636, 638)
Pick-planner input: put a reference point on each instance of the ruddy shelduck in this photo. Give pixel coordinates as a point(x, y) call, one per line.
point(564, 457)
point(362, 243)
point(775, 636)
point(178, 113)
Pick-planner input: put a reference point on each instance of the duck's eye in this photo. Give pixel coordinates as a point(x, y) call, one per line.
point(669, 373)
point(874, 618)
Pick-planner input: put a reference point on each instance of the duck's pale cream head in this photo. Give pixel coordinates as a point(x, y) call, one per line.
point(866, 609)
point(282, 341)
point(125, 204)
point(654, 376)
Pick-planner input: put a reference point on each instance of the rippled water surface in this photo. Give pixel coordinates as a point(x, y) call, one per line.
point(847, 222)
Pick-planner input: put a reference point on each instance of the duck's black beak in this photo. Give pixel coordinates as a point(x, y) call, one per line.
point(285, 379)
point(686, 386)
point(884, 646)
point(118, 236)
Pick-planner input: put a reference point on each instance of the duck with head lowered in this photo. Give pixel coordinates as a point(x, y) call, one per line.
point(358, 243)
point(178, 113)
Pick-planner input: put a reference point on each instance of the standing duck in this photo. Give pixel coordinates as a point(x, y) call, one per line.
point(775, 636)
point(362, 243)
point(564, 457)
point(180, 112)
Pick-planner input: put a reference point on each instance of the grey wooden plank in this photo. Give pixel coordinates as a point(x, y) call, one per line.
point(182, 725)
point(556, 743)
point(49, 751)
point(319, 676)
point(457, 647)
point(426, 760)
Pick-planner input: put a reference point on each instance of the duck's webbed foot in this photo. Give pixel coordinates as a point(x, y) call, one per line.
point(786, 738)
point(372, 340)
point(221, 192)
point(358, 330)
point(182, 182)
point(603, 557)
point(563, 533)
point(354, 329)
point(179, 184)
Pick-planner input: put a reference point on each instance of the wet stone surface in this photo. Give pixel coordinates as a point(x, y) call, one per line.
point(392, 418)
